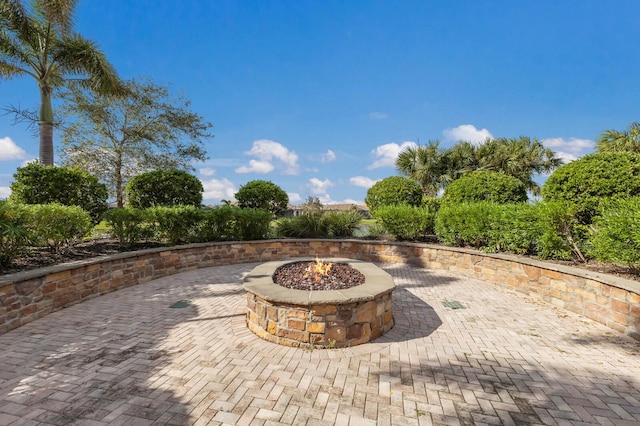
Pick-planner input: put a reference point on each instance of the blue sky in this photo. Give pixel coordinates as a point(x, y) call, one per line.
point(320, 96)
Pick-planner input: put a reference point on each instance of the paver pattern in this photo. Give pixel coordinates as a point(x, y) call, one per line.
point(128, 358)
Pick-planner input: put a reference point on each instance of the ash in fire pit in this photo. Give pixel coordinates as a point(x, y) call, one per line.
point(317, 275)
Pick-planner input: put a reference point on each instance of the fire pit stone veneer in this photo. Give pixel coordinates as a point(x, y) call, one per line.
point(319, 318)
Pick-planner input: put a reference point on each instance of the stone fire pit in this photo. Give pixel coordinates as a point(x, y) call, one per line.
point(319, 318)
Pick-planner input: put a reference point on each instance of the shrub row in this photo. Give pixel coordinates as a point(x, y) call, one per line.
point(52, 225)
point(61, 227)
point(549, 230)
point(187, 224)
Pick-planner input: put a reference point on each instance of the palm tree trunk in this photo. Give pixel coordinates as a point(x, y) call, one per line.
point(46, 127)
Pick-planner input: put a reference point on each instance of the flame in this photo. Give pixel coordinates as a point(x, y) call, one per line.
point(317, 269)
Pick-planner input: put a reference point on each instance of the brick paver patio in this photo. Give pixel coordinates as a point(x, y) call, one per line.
point(127, 358)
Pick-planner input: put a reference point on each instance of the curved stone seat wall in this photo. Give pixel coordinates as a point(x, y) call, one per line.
point(30, 295)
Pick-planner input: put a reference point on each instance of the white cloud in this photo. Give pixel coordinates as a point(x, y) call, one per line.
point(207, 171)
point(218, 189)
point(10, 151)
point(566, 156)
point(378, 115)
point(256, 166)
point(328, 156)
point(569, 149)
point(266, 151)
point(362, 181)
point(574, 145)
point(466, 132)
point(5, 191)
point(320, 187)
point(294, 197)
point(386, 154)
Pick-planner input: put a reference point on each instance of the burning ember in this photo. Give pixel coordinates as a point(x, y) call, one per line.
point(317, 270)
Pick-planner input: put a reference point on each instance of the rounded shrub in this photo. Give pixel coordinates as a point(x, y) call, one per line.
point(588, 181)
point(164, 188)
point(39, 184)
point(485, 185)
point(392, 191)
point(262, 194)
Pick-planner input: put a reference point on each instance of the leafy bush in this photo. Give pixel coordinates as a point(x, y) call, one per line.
point(486, 186)
point(308, 225)
point(392, 191)
point(342, 223)
point(14, 236)
point(219, 224)
point(514, 228)
point(39, 184)
point(176, 224)
point(264, 195)
point(593, 178)
point(464, 224)
point(616, 237)
point(431, 203)
point(560, 233)
point(231, 223)
point(130, 225)
point(489, 226)
point(406, 222)
point(550, 230)
point(56, 226)
point(254, 224)
point(164, 188)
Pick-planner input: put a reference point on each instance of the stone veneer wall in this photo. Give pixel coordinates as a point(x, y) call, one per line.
point(324, 325)
point(30, 295)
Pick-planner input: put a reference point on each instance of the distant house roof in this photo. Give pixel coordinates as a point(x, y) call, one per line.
point(333, 207)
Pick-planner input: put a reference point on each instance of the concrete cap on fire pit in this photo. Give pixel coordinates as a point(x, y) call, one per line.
point(260, 282)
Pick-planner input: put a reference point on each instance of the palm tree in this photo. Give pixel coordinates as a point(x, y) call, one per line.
point(425, 164)
point(520, 158)
point(39, 42)
point(616, 141)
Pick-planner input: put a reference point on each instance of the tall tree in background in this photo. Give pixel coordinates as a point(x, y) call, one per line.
point(434, 168)
point(521, 158)
point(118, 137)
point(39, 42)
point(619, 141)
point(425, 164)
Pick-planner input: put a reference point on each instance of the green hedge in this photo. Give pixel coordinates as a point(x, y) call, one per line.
point(56, 226)
point(616, 235)
point(550, 230)
point(186, 224)
point(130, 225)
point(407, 222)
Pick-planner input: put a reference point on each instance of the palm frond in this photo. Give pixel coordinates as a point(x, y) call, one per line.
point(58, 12)
point(81, 57)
